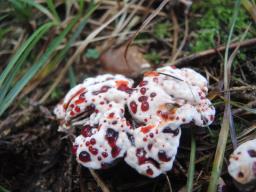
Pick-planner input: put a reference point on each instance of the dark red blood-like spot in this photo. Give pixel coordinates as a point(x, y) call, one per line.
point(74, 149)
point(77, 109)
point(146, 128)
point(87, 143)
point(111, 115)
point(141, 155)
point(104, 154)
point(93, 141)
point(93, 151)
point(145, 139)
point(133, 106)
point(163, 157)
point(123, 86)
point(111, 137)
point(104, 89)
point(150, 146)
point(153, 94)
point(252, 153)
point(72, 105)
point(177, 118)
point(240, 174)
point(155, 79)
point(143, 83)
point(115, 151)
point(87, 131)
point(173, 66)
point(82, 95)
point(144, 106)
point(72, 113)
point(149, 172)
point(142, 98)
point(99, 158)
point(84, 156)
point(212, 117)
point(151, 135)
point(175, 132)
point(102, 103)
point(143, 90)
point(183, 119)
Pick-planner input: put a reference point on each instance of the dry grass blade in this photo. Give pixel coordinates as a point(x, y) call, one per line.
point(102, 185)
point(79, 50)
point(225, 126)
point(145, 23)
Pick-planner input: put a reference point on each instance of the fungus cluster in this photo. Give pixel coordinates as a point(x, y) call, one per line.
point(147, 134)
point(242, 165)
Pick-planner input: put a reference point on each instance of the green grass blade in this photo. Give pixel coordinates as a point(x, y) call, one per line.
point(225, 126)
point(2, 189)
point(39, 7)
point(53, 10)
point(24, 50)
point(191, 169)
point(35, 68)
point(72, 77)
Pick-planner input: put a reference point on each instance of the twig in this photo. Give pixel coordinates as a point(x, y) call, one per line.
point(183, 40)
point(175, 33)
point(102, 185)
point(211, 52)
point(169, 182)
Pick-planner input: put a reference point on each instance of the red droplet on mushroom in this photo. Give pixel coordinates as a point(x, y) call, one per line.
point(93, 151)
point(99, 158)
point(111, 115)
point(84, 156)
point(149, 172)
point(104, 154)
point(153, 94)
point(111, 137)
point(142, 98)
point(252, 153)
point(86, 131)
point(87, 143)
point(143, 90)
point(74, 149)
point(144, 106)
point(151, 135)
point(143, 83)
point(163, 157)
point(133, 106)
point(93, 141)
point(77, 109)
point(141, 155)
point(72, 113)
point(115, 151)
point(150, 146)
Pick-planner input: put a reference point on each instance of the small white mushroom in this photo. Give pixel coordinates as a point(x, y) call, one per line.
point(242, 163)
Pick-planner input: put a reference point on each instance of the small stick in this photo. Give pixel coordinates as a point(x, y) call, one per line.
point(102, 185)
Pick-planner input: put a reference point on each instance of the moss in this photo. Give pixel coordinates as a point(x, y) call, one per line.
point(213, 25)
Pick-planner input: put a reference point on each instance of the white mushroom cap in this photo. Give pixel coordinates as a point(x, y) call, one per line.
point(242, 161)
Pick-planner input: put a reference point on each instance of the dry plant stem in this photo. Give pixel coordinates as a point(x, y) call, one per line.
point(102, 185)
point(79, 50)
point(145, 23)
point(169, 182)
point(225, 126)
point(175, 33)
point(210, 52)
point(183, 41)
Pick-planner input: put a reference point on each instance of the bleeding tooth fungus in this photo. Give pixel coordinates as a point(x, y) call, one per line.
point(163, 101)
